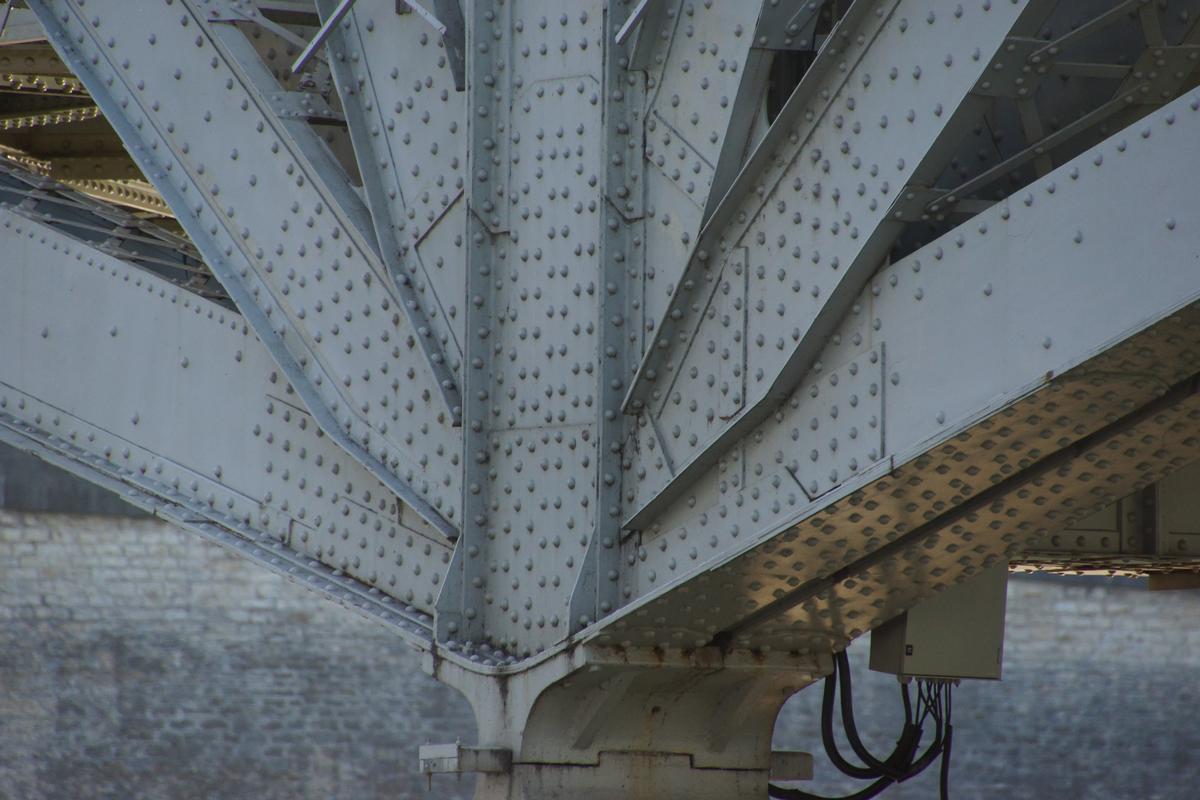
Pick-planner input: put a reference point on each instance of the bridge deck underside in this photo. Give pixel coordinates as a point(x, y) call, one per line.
point(1112, 425)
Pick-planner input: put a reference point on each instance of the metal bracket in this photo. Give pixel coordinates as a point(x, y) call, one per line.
point(235, 11)
point(1013, 71)
point(783, 26)
point(454, 38)
point(306, 106)
point(916, 203)
point(335, 18)
point(635, 18)
point(456, 759)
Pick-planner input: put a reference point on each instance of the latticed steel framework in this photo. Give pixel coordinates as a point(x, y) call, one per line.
point(627, 358)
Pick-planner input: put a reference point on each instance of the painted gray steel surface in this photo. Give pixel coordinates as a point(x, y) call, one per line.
point(560, 341)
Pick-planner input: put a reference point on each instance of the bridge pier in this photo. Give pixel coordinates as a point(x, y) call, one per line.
point(607, 723)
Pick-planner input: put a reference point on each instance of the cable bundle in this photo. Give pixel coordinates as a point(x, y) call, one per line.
point(933, 703)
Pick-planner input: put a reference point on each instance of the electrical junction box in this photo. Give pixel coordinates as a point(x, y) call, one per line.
point(958, 633)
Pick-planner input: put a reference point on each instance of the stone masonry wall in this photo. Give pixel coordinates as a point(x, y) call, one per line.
point(137, 661)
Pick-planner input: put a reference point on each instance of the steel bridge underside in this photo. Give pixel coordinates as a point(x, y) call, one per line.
point(607, 350)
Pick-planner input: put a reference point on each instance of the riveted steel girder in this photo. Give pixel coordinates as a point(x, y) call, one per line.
point(1152, 530)
point(169, 399)
point(898, 329)
point(409, 130)
point(534, 331)
point(628, 357)
point(1074, 363)
point(255, 193)
point(868, 120)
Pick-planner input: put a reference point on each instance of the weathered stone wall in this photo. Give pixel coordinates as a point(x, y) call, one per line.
point(137, 661)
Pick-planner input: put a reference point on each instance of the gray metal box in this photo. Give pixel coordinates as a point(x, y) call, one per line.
point(956, 634)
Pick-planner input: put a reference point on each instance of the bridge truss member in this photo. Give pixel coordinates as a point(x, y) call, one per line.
point(629, 359)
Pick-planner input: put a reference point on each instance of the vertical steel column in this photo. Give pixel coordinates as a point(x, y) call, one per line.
point(460, 607)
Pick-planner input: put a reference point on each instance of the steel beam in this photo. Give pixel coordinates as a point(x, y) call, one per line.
point(137, 195)
point(21, 28)
point(462, 603)
point(597, 589)
point(454, 39)
point(1155, 530)
point(408, 126)
point(536, 291)
point(817, 224)
point(177, 406)
point(299, 269)
point(1116, 457)
point(32, 59)
point(788, 26)
point(704, 92)
point(820, 437)
point(110, 230)
point(46, 117)
point(1056, 328)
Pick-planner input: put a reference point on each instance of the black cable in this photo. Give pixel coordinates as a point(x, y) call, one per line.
point(941, 691)
point(842, 668)
point(898, 760)
point(903, 763)
point(831, 748)
point(935, 748)
point(924, 702)
point(906, 749)
point(944, 782)
point(890, 767)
